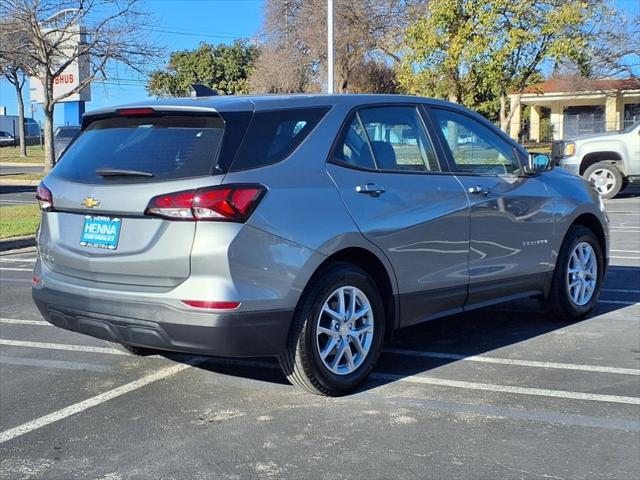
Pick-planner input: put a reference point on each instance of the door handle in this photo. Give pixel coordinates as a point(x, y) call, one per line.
point(479, 190)
point(370, 189)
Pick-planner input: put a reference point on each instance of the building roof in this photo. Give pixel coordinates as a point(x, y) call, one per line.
point(580, 84)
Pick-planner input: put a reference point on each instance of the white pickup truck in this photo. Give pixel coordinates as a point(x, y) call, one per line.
point(609, 160)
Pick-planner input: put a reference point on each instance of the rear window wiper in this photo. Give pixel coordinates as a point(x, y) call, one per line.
point(117, 172)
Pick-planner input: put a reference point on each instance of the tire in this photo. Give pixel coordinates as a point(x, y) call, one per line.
point(303, 362)
point(132, 350)
point(560, 302)
point(606, 177)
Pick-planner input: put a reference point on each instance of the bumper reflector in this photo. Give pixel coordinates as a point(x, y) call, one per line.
point(211, 305)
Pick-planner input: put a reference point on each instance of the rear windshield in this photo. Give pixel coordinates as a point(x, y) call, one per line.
point(67, 132)
point(168, 148)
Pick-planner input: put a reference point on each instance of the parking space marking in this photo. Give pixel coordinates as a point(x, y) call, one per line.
point(509, 361)
point(617, 302)
point(11, 269)
point(53, 364)
point(626, 251)
point(90, 402)
point(541, 392)
point(15, 321)
point(395, 351)
point(61, 346)
point(418, 379)
point(17, 260)
point(620, 290)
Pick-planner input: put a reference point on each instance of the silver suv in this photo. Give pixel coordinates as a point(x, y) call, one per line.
point(304, 227)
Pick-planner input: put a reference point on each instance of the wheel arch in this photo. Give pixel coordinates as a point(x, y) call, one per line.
point(595, 157)
point(374, 266)
point(591, 221)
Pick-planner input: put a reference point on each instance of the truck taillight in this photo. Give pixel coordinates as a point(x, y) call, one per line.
point(44, 197)
point(232, 203)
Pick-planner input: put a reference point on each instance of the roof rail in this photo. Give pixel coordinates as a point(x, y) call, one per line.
point(197, 90)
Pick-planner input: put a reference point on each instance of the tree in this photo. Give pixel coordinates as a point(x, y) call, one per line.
point(225, 68)
point(12, 67)
point(294, 49)
point(98, 35)
point(497, 47)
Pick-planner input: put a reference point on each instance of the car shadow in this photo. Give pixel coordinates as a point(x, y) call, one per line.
point(471, 333)
point(631, 191)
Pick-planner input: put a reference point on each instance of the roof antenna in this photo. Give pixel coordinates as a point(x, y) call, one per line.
point(197, 90)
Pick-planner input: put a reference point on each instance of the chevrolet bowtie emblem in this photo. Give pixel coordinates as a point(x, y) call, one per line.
point(90, 202)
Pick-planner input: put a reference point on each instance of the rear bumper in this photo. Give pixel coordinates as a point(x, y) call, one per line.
point(156, 326)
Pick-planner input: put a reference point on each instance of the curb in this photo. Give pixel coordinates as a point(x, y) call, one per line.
point(21, 164)
point(17, 242)
point(20, 183)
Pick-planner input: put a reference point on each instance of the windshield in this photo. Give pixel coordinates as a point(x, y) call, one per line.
point(631, 127)
point(168, 147)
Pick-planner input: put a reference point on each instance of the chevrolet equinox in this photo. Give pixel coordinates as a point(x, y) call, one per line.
point(305, 227)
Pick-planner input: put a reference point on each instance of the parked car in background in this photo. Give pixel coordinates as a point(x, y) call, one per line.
point(62, 137)
point(304, 227)
point(609, 160)
point(6, 139)
point(11, 123)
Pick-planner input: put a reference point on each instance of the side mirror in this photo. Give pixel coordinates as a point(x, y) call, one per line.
point(539, 162)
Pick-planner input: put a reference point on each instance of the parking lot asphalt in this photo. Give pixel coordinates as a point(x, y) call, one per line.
point(502, 392)
point(7, 171)
point(17, 195)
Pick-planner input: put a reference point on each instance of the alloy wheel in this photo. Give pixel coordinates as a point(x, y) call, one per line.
point(582, 274)
point(345, 330)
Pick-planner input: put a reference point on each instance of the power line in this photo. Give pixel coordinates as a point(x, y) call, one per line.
point(194, 33)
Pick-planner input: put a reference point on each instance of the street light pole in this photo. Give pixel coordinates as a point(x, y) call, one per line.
point(329, 46)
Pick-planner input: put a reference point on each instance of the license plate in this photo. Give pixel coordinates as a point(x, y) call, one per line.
point(101, 232)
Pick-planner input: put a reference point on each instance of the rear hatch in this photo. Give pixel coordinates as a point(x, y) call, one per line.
point(97, 229)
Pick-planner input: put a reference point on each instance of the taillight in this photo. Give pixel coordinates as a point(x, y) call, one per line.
point(44, 197)
point(233, 203)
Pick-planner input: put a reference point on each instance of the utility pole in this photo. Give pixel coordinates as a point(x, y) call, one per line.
point(329, 46)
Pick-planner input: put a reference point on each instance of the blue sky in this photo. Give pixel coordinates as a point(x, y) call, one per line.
point(183, 24)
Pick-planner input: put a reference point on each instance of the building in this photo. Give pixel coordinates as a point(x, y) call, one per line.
point(565, 107)
point(11, 123)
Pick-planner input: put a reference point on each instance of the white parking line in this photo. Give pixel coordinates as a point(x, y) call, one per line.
point(617, 302)
point(509, 361)
point(15, 321)
point(8, 269)
point(626, 251)
point(541, 392)
point(419, 379)
point(620, 290)
point(617, 256)
point(61, 346)
point(18, 260)
point(54, 364)
point(90, 402)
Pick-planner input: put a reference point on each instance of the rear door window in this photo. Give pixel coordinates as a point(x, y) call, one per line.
point(391, 139)
point(168, 147)
point(273, 135)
